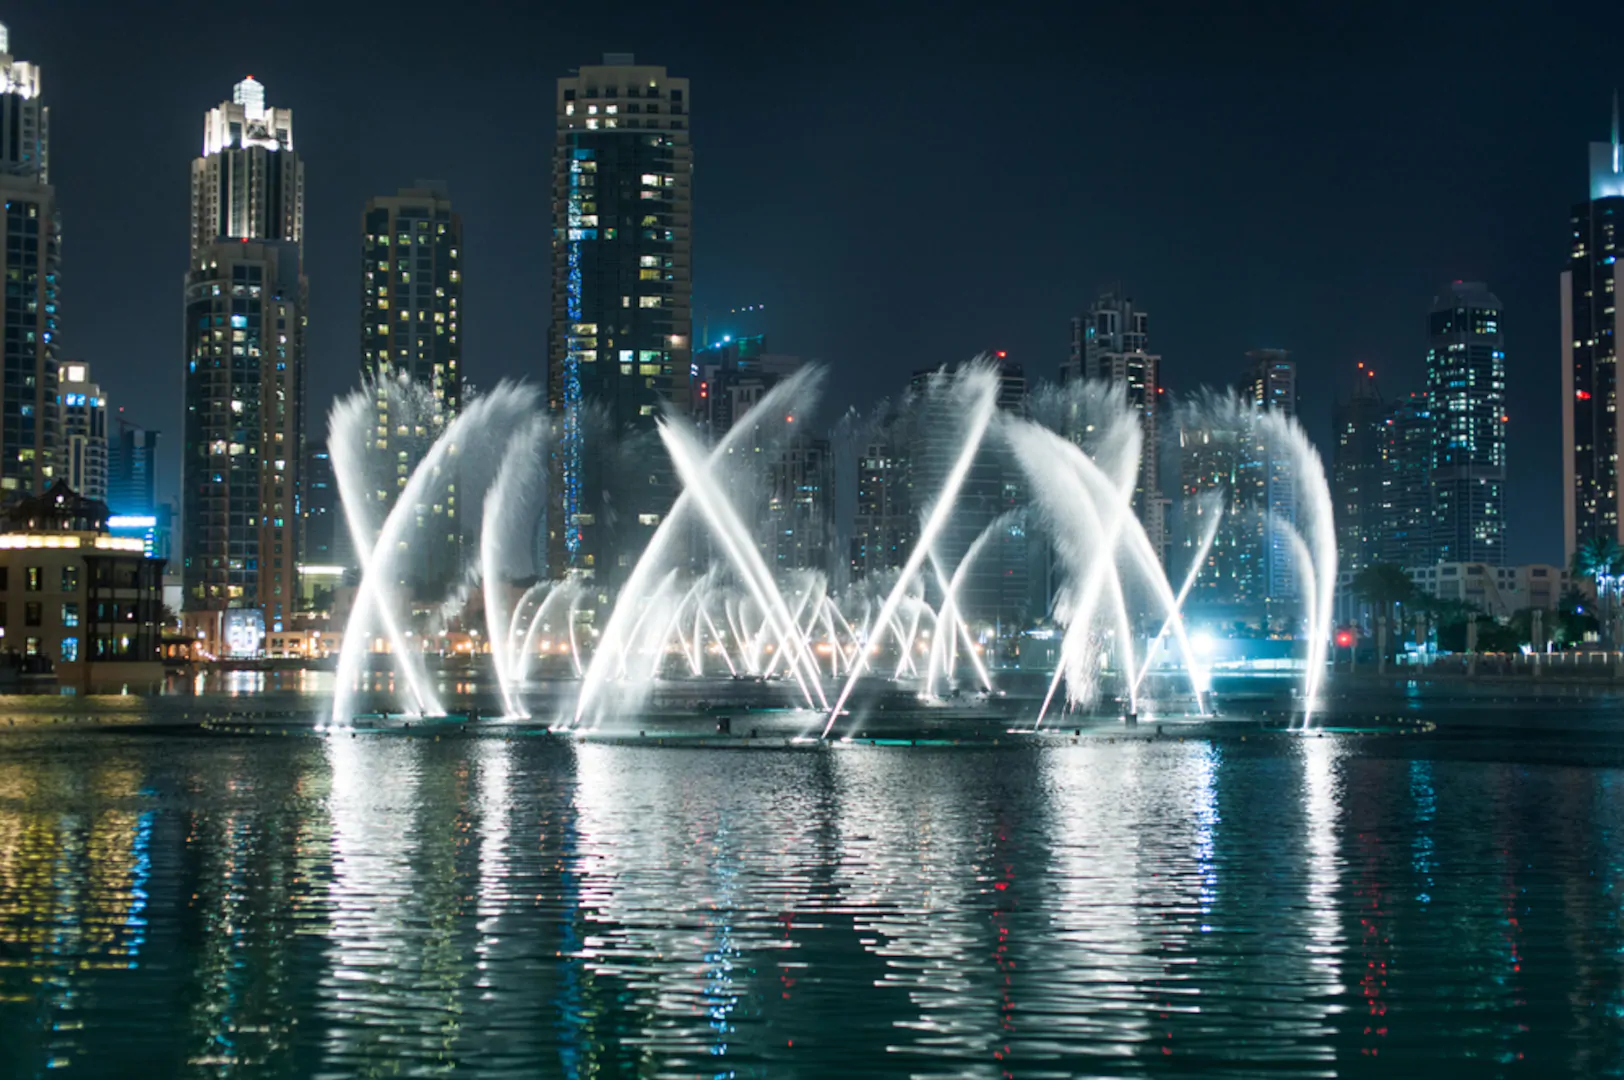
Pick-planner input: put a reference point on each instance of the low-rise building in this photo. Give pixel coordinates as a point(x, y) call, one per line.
point(86, 601)
point(1499, 591)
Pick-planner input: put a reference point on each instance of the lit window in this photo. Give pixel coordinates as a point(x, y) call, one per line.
point(649, 301)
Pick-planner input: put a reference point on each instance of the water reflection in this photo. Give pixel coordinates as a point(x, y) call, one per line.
point(357, 906)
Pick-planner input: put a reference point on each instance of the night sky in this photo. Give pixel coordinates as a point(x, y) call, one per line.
point(900, 190)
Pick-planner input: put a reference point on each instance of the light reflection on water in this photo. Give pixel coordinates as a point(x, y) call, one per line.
point(175, 905)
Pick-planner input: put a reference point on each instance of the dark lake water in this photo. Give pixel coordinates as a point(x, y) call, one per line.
point(179, 903)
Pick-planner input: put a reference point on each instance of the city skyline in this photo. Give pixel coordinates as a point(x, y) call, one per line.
point(813, 317)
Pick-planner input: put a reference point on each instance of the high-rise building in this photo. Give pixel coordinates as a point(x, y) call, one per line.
point(1360, 420)
point(732, 375)
point(1110, 344)
point(246, 307)
point(885, 525)
point(799, 529)
point(248, 184)
point(411, 308)
point(327, 534)
point(620, 346)
point(995, 590)
point(132, 470)
point(1269, 384)
point(1592, 325)
point(1234, 470)
point(30, 247)
point(1405, 535)
point(1466, 397)
point(84, 431)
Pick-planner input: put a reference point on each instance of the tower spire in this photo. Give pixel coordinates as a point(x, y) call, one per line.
point(1615, 130)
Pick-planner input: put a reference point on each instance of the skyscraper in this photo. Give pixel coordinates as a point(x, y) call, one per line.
point(245, 350)
point(1269, 384)
point(885, 526)
point(1110, 343)
point(996, 589)
point(1360, 420)
point(30, 245)
point(621, 336)
point(1406, 509)
point(799, 530)
point(327, 534)
point(83, 455)
point(1592, 324)
point(132, 470)
point(1466, 397)
point(411, 308)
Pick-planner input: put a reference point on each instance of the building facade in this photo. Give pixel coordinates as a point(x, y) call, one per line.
point(83, 453)
point(996, 589)
point(620, 347)
point(246, 302)
point(1360, 422)
point(1466, 397)
point(30, 245)
point(885, 526)
point(245, 307)
point(326, 532)
point(74, 596)
point(132, 470)
point(411, 311)
point(1269, 384)
point(1405, 535)
point(1110, 344)
point(799, 528)
point(1592, 324)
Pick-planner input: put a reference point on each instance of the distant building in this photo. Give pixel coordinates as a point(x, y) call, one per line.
point(30, 264)
point(1110, 343)
point(885, 526)
point(1405, 536)
point(1269, 384)
point(1498, 591)
point(620, 348)
point(732, 375)
point(246, 298)
point(84, 431)
point(132, 469)
point(996, 590)
point(72, 594)
point(1466, 395)
point(239, 474)
point(327, 533)
point(1236, 473)
point(1592, 327)
point(411, 309)
point(1360, 421)
point(799, 531)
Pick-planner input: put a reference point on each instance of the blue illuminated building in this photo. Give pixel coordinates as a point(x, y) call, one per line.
point(620, 345)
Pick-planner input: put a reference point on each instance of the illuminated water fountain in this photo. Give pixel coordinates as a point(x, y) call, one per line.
point(702, 602)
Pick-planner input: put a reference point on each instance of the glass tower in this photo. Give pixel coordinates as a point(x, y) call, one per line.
point(1466, 396)
point(1591, 326)
point(30, 239)
point(411, 311)
point(620, 343)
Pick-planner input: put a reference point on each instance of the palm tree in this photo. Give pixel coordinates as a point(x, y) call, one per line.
point(1601, 559)
point(1386, 587)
